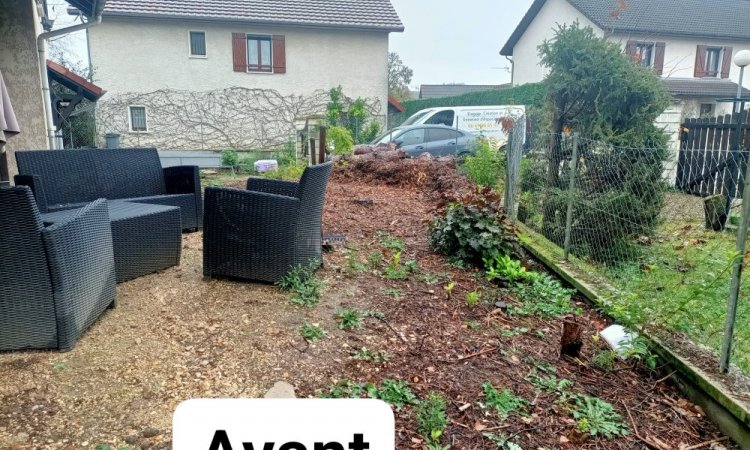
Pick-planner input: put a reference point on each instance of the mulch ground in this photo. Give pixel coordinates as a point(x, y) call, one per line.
point(176, 336)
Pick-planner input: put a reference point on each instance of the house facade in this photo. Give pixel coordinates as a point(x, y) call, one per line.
point(234, 74)
point(689, 43)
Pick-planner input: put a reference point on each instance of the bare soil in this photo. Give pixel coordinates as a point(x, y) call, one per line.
point(176, 336)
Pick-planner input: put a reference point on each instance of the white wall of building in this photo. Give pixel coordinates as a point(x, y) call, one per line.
point(142, 55)
point(679, 53)
point(526, 66)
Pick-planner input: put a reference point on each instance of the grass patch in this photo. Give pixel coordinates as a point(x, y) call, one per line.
point(504, 402)
point(303, 285)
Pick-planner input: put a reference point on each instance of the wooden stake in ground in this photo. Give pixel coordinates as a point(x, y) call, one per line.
point(572, 339)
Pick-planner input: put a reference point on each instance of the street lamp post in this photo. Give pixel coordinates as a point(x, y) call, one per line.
point(741, 59)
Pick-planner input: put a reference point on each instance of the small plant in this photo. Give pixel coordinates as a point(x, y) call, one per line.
point(503, 442)
point(514, 332)
point(311, 332)
point(366, 355)
point(473, 325)
point(640, 349)
point(393, 392)
point(374, 314)
point(544, 297)
point(340, 141)
point(430, 278)
point(352, 264)
point(59, 365)
point(541, 365)
point(506, 268)
point(559, 387)
point(230, 158)
point(349, 319)
point(391, 242)
point(472, 299)
point(448, 288)
point(486, 165)
point(503, 402)
point(431, 417)
point(392, 292)
point(411, 266)
point(302, 283)
point(395, 270)
point(598, 418)
point(344, 389)
point(375, 259)
point(604, 360)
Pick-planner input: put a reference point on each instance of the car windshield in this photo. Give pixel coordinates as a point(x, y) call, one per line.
point(386, 138)
point(413, 119)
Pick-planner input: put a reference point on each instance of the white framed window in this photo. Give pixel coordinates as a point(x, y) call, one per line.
point(259, 53)
point(712, 66)
point(644, 52)
point(197, 44)
point(137, 118)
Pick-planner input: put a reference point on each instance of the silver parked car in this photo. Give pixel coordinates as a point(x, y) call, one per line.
point(437, 140)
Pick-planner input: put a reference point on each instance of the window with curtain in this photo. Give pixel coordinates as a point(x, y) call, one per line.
point(644, 53)
point(259, 54)
point(197, 43)
point(713, 61)
point(138, 118)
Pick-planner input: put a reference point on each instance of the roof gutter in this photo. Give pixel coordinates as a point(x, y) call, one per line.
point(41, 45)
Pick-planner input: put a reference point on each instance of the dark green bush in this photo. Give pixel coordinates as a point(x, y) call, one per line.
point(472, 228)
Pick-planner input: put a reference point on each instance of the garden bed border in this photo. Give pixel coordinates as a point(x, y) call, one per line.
point(732, 418)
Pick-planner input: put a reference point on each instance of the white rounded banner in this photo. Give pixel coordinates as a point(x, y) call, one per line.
point(283, 424)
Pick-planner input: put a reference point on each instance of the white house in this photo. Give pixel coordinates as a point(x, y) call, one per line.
point(690, 43)
point(236, 74)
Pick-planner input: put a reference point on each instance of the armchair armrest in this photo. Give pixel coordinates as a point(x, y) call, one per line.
point(82, 268)
point(182, 179)
point(37, 188)
point(279, 187)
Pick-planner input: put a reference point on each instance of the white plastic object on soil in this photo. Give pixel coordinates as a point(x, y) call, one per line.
point(618, 338)
point(266, 165)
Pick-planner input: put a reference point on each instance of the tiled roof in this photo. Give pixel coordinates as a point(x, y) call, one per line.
point(702, 87)
point(725, 19)
point(72, 80)
point(449, 90)
point(361, 14)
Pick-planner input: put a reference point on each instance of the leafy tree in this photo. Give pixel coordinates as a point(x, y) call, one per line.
point(399, 77)
point(595, 90)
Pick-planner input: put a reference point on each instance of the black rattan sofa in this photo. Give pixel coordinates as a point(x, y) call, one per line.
point(67, 179)
point(54, 281)
point(262, 232)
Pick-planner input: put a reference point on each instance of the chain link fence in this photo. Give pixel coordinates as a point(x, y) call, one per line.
point(663, 256)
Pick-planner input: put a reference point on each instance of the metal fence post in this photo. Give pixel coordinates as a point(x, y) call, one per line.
point(734, 289)
point(514, 151)
point(571, 195)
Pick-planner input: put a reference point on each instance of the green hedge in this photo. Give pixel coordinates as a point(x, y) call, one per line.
point(531, 94)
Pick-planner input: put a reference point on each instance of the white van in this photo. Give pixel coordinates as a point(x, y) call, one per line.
point(488, 121)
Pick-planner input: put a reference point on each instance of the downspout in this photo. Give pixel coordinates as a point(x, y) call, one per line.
point(512, 69)
point(41, 45)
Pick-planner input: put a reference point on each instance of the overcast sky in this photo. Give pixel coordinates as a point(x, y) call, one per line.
point(456, 41)
point(446, 41)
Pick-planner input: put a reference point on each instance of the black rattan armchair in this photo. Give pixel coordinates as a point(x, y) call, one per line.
point(54, 281)
point(262, 232)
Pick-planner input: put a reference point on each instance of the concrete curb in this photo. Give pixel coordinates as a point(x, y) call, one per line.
point(732, 418)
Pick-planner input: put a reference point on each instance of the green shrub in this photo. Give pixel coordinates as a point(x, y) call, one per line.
point(473, 228)
point(506, 268)
point(486, 166)
point(340, 141)
point(311, 332)
point(289, 172)
point(544, 297)
point(349, 319)
point(371, 132)
point(230, 158)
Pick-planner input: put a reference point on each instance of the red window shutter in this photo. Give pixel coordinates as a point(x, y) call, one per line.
point(726, 62)
point(700, 61)
point(239, 51)
point(630, 50)
point(279, 54)
point(659, 48)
